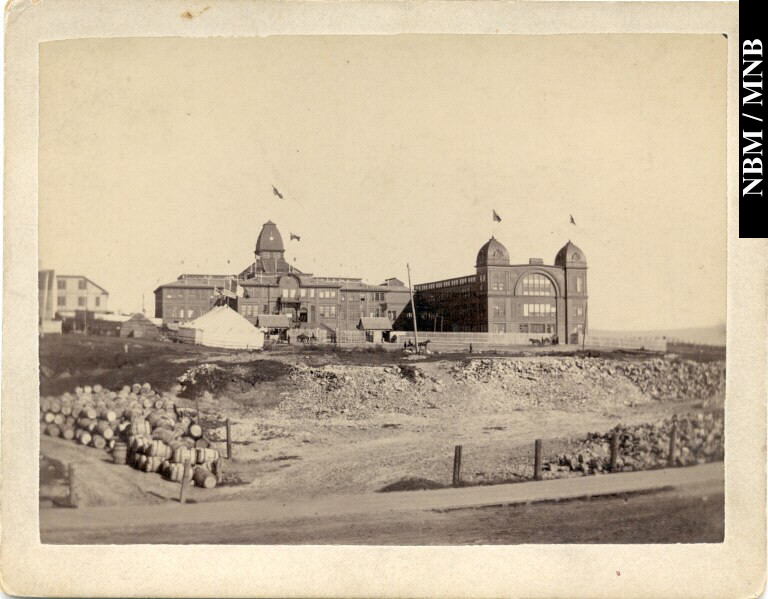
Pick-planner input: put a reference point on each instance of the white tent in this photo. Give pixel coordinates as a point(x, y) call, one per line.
point(222, 327)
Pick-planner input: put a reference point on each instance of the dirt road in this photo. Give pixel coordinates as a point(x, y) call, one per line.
point(226, 522)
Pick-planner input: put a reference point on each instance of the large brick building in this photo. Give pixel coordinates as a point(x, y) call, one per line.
point(536, 299)
point(270, 285)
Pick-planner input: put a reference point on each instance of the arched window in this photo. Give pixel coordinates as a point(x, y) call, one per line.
point(536, 284)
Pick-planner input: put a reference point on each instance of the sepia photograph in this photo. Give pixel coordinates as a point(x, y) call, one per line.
point(382, 290)
point(379, 299)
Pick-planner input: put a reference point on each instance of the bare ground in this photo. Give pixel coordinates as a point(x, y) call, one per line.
point(282, 450)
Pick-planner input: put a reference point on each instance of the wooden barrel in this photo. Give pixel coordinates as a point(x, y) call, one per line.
point(164, 435)
point(89, 412)
point(120, 453)
point(204, 478)
point(195, 431)
point(139, 427)
point(85, 437)
point(55, 406)
point(53, 430)
point(108, 415)
point(49, 417)
point(183, 454)
point(98, 441)
point(45, 404)
point(66, 409)
point(205, 455)
point(102, 426)
point(203, 443)
point(59, 419)
point(68, 433)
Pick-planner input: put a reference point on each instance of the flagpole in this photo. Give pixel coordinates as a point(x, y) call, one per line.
point(413, 309)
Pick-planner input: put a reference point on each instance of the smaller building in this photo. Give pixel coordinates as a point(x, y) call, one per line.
point(76, 292)
point(140, 327)
point(374, 327)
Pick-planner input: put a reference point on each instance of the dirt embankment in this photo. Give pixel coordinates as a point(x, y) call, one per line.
point(496, 385)
point(305, 424)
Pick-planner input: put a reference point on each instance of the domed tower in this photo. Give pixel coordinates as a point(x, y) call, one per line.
point(492, 268)
point(570, 255)
point(574, 264)
point(270, 249)
point(493, 253)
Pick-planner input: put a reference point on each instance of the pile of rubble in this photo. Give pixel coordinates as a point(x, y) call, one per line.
point(357, 392)
point(699, 439)
point(549, 382)
point(658, 378)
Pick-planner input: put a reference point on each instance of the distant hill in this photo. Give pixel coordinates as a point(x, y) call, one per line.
point(714, 335)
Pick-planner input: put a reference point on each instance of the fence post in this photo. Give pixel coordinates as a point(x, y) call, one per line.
point(614, 451)
point(457, 466)
point(74, 490)
point(229, 440)
point(537, 460)
point(183, 491)
point(219, 473)
point(672, 444)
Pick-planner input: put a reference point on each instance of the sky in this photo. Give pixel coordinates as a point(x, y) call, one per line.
point(158, 156)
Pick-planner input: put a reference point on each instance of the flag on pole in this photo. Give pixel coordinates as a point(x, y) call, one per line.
point(496, 217)
point(276, 192)
point(573, 222)
point(294, 236)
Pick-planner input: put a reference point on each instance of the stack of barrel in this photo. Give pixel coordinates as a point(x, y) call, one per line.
point(162, 444)
point(140, 426)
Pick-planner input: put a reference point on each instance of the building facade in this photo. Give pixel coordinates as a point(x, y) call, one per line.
point(61, 295)
point(270, 285)
point(536, 299)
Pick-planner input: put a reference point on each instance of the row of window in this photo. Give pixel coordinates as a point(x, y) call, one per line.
point(254, 309)
point(376, 296)
point(538, 310)
point(449, 283)
point(189, 294)
point(81, 301)
point(62, 284)
point(537, 328)
point(182, 314)
point(327, 311)
point(536, 284)
point(308, 292)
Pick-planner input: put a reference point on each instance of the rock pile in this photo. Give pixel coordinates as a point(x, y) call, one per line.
point(549, 382)
point(657, 378)
point(646, 446)
point(138, 425)
point(357, 392)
